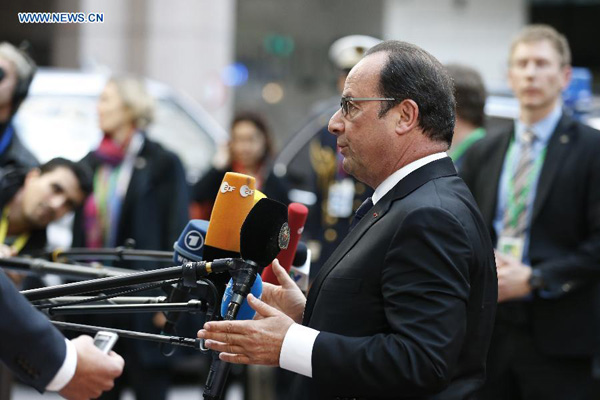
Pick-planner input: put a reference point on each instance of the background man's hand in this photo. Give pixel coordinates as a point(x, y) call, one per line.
point(513, 278)
point(95, 373)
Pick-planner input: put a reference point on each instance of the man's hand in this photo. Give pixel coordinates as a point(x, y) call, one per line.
point(250, 341)
point(95, 371)
point(6, 251)
point(513, 278)
point(287, 298)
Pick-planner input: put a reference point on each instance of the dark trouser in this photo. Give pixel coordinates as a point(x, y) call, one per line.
point(516, 370)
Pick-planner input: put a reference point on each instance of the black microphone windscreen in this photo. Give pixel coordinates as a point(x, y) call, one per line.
point(264, 232)
point(301, 254)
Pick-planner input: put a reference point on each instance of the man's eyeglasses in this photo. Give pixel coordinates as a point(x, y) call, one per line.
point(347, 107)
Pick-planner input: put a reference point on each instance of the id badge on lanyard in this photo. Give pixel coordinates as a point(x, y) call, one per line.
point(511, 246)
point(341, 198)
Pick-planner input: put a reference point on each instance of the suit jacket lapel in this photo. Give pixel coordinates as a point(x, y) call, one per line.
point(558, 147)
point(433, 170)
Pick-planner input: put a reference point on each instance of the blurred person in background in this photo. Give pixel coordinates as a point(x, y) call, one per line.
point(139, 193)
point(469, 92)
point(249, 151)
point(538, 187)
point(338, 193)
point(16, 73)
point(30, 199)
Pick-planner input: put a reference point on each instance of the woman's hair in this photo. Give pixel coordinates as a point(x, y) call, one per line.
point(135, 97)
point(259, 122)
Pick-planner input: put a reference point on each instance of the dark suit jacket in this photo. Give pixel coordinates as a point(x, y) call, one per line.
point(29, 345)
point(406, 303)
point(565, 233)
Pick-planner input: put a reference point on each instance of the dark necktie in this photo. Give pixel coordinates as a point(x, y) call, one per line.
point(361, 212)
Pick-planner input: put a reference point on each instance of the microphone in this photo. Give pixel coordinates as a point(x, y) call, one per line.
point(245, 311)
point(188, 248)
point(232, 205)
point(300, 271)
point(297, 214)
point(264, 233)
point(234, 201)
point(190, 245)
point(301, 255)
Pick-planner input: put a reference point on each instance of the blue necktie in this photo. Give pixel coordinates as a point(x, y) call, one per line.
point(361, 212)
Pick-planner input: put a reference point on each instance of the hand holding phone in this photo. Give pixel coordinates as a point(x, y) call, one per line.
point(105, 340)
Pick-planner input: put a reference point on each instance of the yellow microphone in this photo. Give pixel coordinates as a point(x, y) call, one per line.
point(232, 205)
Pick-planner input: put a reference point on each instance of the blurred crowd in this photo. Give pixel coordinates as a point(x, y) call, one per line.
point(536, 180)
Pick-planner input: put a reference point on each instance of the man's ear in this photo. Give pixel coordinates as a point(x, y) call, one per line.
point(408, 116)
point(33, 174)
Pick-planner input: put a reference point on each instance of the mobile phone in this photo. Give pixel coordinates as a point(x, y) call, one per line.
point(105, 340)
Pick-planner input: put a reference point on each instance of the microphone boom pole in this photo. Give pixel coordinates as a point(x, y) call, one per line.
point(174, 340)
point(193, 270)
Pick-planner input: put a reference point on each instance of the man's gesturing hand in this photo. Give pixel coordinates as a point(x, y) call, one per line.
point(287, 298)
point(252, 341)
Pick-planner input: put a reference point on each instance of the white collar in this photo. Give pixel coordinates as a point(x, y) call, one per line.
point(400, 174)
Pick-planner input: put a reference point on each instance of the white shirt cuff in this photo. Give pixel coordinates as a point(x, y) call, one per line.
point(296, 350)
point(66, 371)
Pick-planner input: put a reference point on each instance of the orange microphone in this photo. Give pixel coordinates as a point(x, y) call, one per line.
point(233, 203)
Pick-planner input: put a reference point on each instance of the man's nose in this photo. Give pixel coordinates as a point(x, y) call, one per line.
point(530, 69)
point(58, 202)
point(336, 123)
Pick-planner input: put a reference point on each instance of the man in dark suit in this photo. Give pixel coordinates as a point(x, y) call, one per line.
point(537, 184)
point(41, 357)
point(404, 306)
point(29, 345)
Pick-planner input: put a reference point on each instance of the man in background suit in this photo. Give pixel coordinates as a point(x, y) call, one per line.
point(537, 184)
point(404, 306)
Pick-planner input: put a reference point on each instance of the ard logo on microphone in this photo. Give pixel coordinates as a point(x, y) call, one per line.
point(225, 187)
point(245, 191)
point(194, 240)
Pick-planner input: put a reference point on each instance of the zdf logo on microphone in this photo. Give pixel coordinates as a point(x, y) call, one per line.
point(225, 187)
point(245, 191)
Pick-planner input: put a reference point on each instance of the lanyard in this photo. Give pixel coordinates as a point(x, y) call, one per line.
point(21, 240)
point(514, 207)
point(6, 138)
point(467, 142)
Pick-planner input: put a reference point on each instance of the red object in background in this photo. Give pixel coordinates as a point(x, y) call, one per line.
point(297, 214)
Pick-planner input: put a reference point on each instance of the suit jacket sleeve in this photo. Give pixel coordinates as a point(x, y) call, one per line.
point(425, 288)
point(30, 345)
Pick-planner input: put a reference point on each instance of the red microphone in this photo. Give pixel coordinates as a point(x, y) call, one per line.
point(297, 214)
